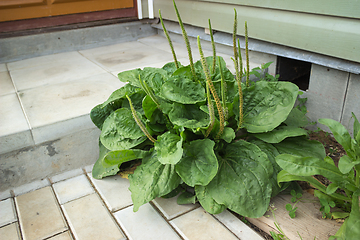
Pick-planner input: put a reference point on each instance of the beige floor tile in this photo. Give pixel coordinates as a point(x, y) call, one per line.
point(72, 188)
point(240, 229)
point(3, 67)
point(11, 115)
point(61, 68)
point(136, 56)
point(114, 190)
point(171, 209)
point(63, 236)
point(31, 186)
point(6, 84)
point(90, 220)
point(200, 225)
point(39, 214)
point(7, 212)
point(145, 224)
point(50, 104)
point(10, 232)
point(90, 53)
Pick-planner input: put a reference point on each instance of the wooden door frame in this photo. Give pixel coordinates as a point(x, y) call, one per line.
point(117, 15)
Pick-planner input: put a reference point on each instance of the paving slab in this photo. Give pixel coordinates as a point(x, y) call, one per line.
point(39, 214)
point(66, 175)
point(72, 189)
point(90, 220)
point(7, 213)
point(32, 186)
point(6, 83)
point(200, 225)
point(10, 232)
point(63, 236)
point(3, 67)
point(170, 209)
point(114, 190)
point(146, 223)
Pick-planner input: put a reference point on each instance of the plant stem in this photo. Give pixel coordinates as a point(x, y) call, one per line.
point(211, 111)
point(247, 55)
point(236, 60)
point(213, 48)
point(138, 121)
point(212, 89)
point(148, 91)
point(169, 40)
point(223, 91)
point(192, 67)
point(241, 97)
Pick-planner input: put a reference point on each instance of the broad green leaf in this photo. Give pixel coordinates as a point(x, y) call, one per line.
point(338, 215)
point(199, 164)
point(300, 146)
point(168, 147)
point(149, 106)
point(271, 153)
point(136, 99)
point(118, 95)
point(154, 77)
point(171, 67)
point(186, 198)
point(183, 90)
point(308, 166)
point(346, 164)
point(352, 229)
point(207, 202)
point(99, 171)
point(120, 156)
point(356, 128)
point(131, 76)
point(152, 179)
point(242, 183)
point(280, 133)
point(296, 119)
point(189, 116)
point(331, 188)
point(228, 135)
point(267, 105)
point(339, 131)
point(99, 114)
point(217, 75)
point(120, 131)
point(183, 72)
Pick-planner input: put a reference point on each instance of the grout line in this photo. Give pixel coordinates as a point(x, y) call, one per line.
point(345, 96)
point(61, 210)
point(107, 208)
point(212, 215)
point(17, 216)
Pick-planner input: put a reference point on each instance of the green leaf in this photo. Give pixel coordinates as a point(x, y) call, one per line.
point(189, 116)
point(346, 164)
point(337, 215)
point(120, 131)
point(149, 107)
point(208, 202)
point(228, 135)
point(267, 105)
point(169, 148)
point(331, 188)
point(199, 164)
point(352, 227)
point(300, 146)
point(152, 179)
point(171, 67)
point(266, 65)
point(356, 129)
point(296, 119)
point(183, 72)
point(120, 94)
point(183, 90)
point(120, 156)
point(99, 171)
point(308, 166)
point(131, 76)
point(186, 198)
point(242, 183)
point(288, 207)
point(280, 133)
point(99, 114)
point(339, 131)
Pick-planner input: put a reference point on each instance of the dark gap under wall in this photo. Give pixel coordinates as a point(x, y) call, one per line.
point(295, 71)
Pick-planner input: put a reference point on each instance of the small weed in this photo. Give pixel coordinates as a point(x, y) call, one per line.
point(325, 208)
point(296, 197)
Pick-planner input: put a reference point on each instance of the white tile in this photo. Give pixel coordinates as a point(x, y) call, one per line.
point(10, 232)
point(72, 188)
point(7, 213)
point(5, 194)
point(89, 219)
point(144, 224)
point(3, 67)
point(31, 186)
point(200, 225)
point(63, 236)
point(90, 53)
point(88, 168)
point(11, 115)
point(114, 190)
point(240, 229)
point(66, 175)
point(6, 84)
point(50, 104)
point(170, 209)
point(136, 56)
point(39, 214)
point(65, 67)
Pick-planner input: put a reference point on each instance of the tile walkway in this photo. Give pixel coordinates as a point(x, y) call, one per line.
point(50, 97)
point(73, 205)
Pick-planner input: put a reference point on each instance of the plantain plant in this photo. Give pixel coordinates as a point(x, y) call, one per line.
point(199, 131)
